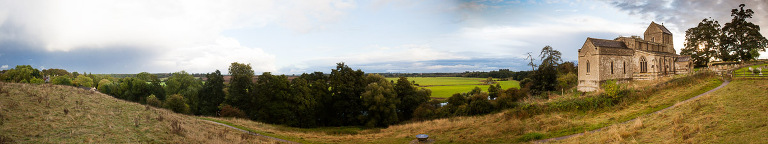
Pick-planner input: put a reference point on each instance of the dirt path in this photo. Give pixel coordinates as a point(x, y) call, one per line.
point(252, 133)
point(596, 130)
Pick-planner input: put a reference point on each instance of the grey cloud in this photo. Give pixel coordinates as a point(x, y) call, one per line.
point(685, 14)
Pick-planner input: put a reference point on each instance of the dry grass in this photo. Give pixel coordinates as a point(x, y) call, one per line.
point(733, 114)
point(62, 114)
point(503, 127)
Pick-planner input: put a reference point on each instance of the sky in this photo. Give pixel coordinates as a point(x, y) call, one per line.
point(294, 37)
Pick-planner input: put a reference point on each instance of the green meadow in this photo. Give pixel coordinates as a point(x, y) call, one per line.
point(444, 87)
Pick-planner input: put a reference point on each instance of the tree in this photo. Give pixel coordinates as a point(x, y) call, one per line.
point(567, 67)
point(702, 42)
point(318, 85)
point(154, 87)
point(566, 81)
point(20, 73)
point(410, 97)
point(346, 87)
point(741, 40)
point(82, 80)
point(494, 91)
point(380, 102)
point(55, 72)
point(240, 86)
point(36, 81)
point(272, 103)
point(186, 85)
point(153, 101)
point(545, 78)
point(177, 103)
point(212, 93)
point(303, 104)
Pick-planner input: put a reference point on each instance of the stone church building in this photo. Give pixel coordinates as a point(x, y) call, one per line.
point(630, 58)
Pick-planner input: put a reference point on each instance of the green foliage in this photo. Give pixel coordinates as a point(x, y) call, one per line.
point(566, 81)
point(177, 103)
point(410, 97)
point(380, 102)
point(186, 85)
point(20, 73)
point(37, 81)
point(82, 80)
point(212, 93)
point(741, 39)
point(153, 101)
point(240, 85)
point(702, 42)
point(612, 89)
point(494, 91)
point(273, 102)
point(428, 110)
point(303, 104)
point(346, 87)
point(55, 72)
point(62, 80)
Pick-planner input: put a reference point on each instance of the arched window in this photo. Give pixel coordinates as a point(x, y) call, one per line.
point(643, 65)
point(587, 66)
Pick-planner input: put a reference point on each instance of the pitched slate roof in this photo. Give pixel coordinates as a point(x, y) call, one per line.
point(663, 29)
point(607, 43)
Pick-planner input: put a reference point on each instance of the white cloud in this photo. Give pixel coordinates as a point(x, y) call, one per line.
point(186, 33)
point(4, 67)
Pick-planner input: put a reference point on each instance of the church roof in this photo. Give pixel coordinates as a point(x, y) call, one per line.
point(683, 58)
point(663, 29)
point(607, 43)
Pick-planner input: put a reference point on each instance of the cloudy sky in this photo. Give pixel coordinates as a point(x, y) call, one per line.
point(293, 37)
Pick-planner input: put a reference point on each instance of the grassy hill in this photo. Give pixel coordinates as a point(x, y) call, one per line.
point(62, 114)
point(733, 114)
point(503, 127)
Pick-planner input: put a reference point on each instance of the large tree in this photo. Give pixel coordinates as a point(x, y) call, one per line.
point(380, 102)
point(186, 85)
point(545, 77)
point(240, 86)
point(741, 39)
point(346, 87)
point(410, 98)
point(702, 42)
point(212, 93)
point(272, 104)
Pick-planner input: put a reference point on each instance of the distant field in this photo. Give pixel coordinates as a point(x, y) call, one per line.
point(444, 87)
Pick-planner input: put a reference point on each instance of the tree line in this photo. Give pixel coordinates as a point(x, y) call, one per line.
point(737, 40)
point(345, 97)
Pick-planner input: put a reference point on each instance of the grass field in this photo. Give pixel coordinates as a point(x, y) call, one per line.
point(444, 87)
point(745, 70)
point(63, 114)
point(733, 114)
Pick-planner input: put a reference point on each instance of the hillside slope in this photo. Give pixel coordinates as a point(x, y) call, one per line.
point(62, 114)
point(733, 114)
point(502, 127)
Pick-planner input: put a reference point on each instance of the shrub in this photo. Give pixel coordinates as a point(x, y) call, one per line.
point(177, 103)
point(230, 111)
point(62, 80)
point(612, 89)
point(35, 80)
point(153, 101)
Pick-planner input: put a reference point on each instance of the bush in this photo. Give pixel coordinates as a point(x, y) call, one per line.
point(62, 80)
point(177, 103)
point(230, 111)
point(612, 89)
point(153, 101)
point(35, 80)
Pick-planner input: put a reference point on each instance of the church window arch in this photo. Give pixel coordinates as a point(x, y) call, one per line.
point(624, 67)
point(643, 65)
point(587, 66)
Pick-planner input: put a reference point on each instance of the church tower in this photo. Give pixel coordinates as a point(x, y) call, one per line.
point(661, 35)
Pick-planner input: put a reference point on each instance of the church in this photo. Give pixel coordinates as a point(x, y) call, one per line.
point(630, 58)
